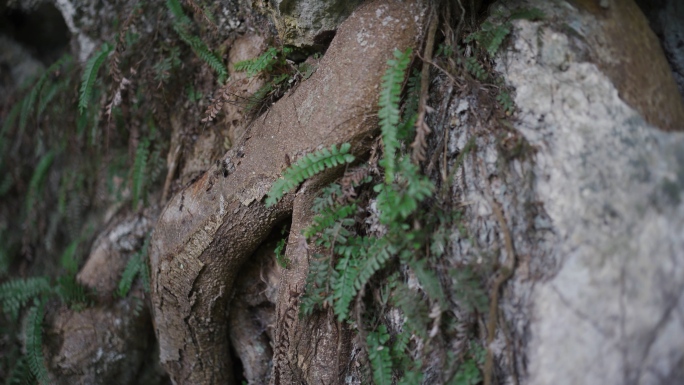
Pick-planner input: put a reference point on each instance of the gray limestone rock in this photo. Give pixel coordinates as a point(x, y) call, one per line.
point(612, 186)
point(306, 22)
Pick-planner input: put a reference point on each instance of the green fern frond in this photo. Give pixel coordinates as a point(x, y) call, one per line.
point(34, 342)
point(280, 254)
point(388, 114)
point(177, 11)
point(355, 248)
point(137, 264)
point(139, 168)
point(378, 254)
point(30, 100)
point(475, 68)
point(67, 260)
point(71, 292)
point(10, 119)
point(352, 274)
point(412, 377)
point(415, 309)
point(504, 99)
point(20, 373)
point(27, 105)
point(181, 26)
point(16, 293)
point(343, 286)
point(327, 218)
point(327, 197)
point(90, 74)
point(263, 62)
point(469, 291)
point(49, 93)
point(397, 202)
point(406, 128)
point(132, 269)
point(315, 294)
point(266, 62)
point(37, 178)
point(468, 374)
point(532, 14)
point(310, 165)
point(429, 281)
point(379, 356)
point(255, 101)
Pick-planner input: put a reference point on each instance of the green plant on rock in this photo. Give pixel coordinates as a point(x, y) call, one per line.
point(182, 25)
point(90, 74)
point(308, 166)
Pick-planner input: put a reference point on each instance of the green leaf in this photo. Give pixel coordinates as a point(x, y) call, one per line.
point(388, 114)
point(379, 356)
point(306, 167)
point(34, 342)
point(16, 293)
point(90, 74)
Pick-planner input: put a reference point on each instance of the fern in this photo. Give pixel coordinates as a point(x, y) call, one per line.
point(532, 14)
point(327, 218)
point(504, 99)
point(490, 36)
point(397, 202)
point(88, 80)
point(412, 377)
point(20, 373)
point(71, 293)
point(37, 179)
point(379, 356)
point(429, 282)
point(475, 68)
point(280, 254)
point(343, 286)
point(327, 197)
point(310, 165)
point(16, 293)
point(130, 272)
point(67, 260)
point(263, 62)
point(30, 100)
point(181, 26)
point(469, 292)
point(389, 109)
point(34, 342)
point(137, 264)
point(315, 293)
point(468, 374)
point(415, 309)
point(139, 168)
point(9, 121)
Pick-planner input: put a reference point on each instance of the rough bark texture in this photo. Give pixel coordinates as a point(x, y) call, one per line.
point(206, 231)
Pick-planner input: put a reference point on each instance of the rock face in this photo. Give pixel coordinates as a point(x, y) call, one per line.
point(612, 186)
point(307, 22)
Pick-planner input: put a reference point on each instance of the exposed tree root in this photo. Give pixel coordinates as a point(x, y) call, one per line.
point(208, 230)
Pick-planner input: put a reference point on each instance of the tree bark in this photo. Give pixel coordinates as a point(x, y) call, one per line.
point(206, 231)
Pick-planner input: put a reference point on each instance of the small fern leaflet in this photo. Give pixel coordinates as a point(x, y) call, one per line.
point(388, 114)
point(308, 166)
point(34, 342)
point(88, 80)
point(379, 356)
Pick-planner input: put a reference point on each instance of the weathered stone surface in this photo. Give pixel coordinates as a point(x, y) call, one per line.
point(307, 22)
point(613, 187)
